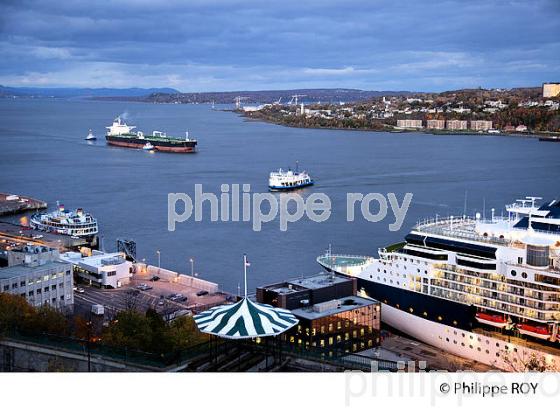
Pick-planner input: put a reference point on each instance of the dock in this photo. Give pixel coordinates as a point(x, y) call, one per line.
point(13, 204)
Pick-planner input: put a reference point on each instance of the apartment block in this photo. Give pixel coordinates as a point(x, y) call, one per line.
point(456, 125)
point(481, 125)
point(435, 124)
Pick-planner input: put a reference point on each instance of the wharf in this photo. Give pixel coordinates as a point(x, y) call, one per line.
point(13, 204)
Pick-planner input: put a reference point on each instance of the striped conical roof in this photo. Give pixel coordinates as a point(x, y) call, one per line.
point(245, 319)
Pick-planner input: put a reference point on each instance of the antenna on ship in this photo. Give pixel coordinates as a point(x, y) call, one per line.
point(297, 167)
point(465, 205)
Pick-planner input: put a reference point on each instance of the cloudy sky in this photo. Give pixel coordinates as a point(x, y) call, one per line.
point(216, 45)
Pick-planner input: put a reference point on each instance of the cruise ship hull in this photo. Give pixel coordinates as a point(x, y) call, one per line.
point(453, 333)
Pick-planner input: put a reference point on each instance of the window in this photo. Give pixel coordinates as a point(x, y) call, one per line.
point(6, 288)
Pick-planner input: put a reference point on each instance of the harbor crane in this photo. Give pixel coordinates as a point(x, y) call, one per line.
point(295, 98)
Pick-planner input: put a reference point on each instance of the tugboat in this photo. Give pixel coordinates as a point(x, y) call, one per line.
point(122, 135)
point(288, 180)
point(90, 137)
point(148, 147)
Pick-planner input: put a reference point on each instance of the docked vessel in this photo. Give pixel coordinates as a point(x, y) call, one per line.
point(148, 147)
point(90, 136)
point(486, 290)
point(553, 138)
point(123, 135)
point(73, 223)
point(288, 180)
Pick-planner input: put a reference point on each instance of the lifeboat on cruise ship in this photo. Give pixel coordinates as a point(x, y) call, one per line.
point(492, 320)
point(540, 332)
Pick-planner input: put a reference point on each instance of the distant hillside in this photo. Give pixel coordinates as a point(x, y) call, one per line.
point(326, 95)
point(39, 92)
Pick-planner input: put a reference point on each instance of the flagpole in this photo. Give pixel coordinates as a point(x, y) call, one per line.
point(245, 272)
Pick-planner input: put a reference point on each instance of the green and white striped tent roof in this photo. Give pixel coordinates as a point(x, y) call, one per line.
point(245, 319)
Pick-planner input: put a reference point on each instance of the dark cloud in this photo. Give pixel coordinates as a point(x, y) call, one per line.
point(213, 45)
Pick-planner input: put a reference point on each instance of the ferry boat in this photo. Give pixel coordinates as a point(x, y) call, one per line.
point(73, 223)
point(484, 289)
point(90, 136)
point(122, 135)
point(288, 180)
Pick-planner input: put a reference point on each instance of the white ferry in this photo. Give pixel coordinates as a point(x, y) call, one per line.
point(288, 180)
point(73, 223)
point(485, 290)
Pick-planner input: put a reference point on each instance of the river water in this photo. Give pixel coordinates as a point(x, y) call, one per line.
point(43, 154)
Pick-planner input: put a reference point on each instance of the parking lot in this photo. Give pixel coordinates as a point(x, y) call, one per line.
point(142, 293)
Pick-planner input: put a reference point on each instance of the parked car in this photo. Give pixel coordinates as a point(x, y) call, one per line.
point(144, 286)
point(154, 278)
point(202, 293)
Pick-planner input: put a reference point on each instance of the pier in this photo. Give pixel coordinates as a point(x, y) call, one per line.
point(13, 204)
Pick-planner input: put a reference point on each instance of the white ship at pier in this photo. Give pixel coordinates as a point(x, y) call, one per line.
point(485, 290)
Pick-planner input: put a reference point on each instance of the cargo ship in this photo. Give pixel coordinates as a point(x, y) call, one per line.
point(122, 135)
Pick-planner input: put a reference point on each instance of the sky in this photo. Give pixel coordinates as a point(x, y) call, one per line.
point(219, 45)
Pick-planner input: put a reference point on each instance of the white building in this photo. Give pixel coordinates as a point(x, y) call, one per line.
point(481, 125)
point(37, 275)
point(409, 123)
point(105, 270)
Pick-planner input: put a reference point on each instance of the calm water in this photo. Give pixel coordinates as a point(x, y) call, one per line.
point(43, 154)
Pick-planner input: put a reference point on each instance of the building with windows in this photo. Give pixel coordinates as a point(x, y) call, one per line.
point(36, 274)
point(409, 123)
point(550, 90)
point(348, 324)
point(104, 270)
point(481, 125)
point(330, 314)
point(456, 125)
point(435, 124)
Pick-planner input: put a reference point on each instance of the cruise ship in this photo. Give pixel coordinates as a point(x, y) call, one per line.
point(73, 223)
point(484, 289)
point(123, 135)
point(288, 180)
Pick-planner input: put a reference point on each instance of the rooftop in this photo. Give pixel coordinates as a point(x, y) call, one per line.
point(346, 304)
point(97, 259)
point(21, 270)
point(317, 281)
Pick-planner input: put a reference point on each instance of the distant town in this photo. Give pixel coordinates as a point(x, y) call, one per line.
point(521, 110)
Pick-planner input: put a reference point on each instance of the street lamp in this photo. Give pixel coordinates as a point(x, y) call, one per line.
point(191, 260)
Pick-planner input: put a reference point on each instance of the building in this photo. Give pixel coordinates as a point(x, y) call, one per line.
point(347, 324)
point(330, 314)
point(37, 275)
point(456, 125)
point(550, 90)
point(307, 291)
point(435, 124)
point(481, 125)
point(104, 270)
point(409, 123)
